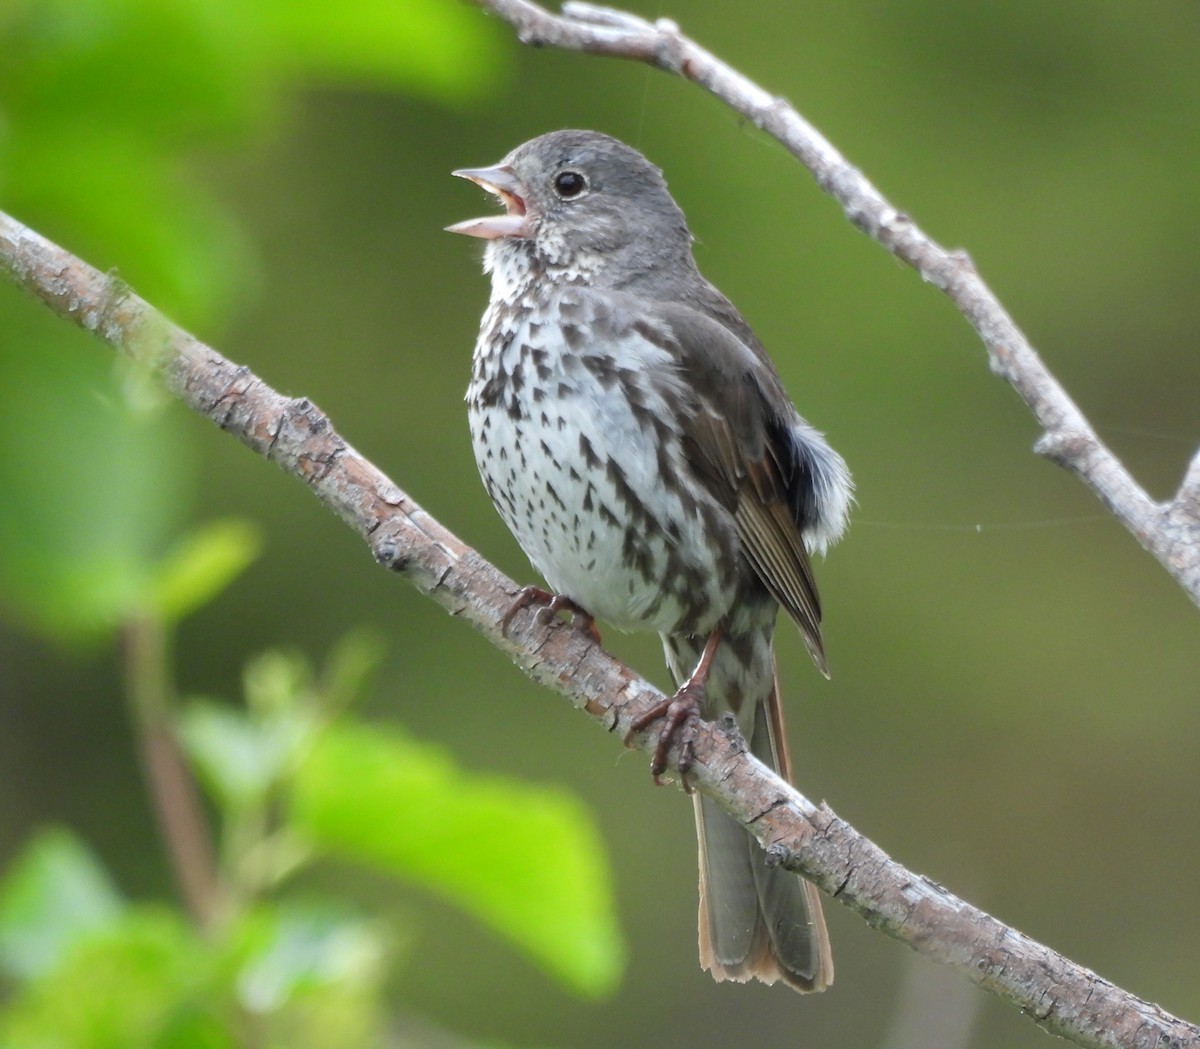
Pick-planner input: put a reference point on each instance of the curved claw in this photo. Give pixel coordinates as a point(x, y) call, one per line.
point(681, 717)
point(581, 618)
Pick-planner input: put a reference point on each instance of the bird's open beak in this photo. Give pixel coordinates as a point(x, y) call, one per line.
point(502, 181)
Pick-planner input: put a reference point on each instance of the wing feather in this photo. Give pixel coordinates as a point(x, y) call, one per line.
point(737, 434)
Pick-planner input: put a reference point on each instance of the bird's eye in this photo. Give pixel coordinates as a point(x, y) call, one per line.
point(568, 184)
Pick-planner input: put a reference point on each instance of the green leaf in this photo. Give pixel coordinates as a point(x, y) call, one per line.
point(525, 859)
point(305, 976)
point(55, 894)
point(202, 565)
point(240, 758)
point(144, 983)
point(311, 947)
point(311, 975)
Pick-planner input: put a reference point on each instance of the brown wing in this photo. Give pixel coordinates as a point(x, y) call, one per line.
point(739, 432)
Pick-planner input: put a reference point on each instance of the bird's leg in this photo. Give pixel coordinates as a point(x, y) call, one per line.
point(681, 714)
point(553, 604)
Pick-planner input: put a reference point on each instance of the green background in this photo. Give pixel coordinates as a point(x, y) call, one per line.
point(1013, 704)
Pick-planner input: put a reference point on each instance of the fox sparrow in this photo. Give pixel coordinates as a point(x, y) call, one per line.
point(638, 442)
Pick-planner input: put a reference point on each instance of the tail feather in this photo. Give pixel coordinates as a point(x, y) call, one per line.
point(757, 922)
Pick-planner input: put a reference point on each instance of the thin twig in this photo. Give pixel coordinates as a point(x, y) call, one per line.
point(177, 808)
point(1170, 531)
point(1061, 996)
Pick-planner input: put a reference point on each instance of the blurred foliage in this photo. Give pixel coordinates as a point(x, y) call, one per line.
point(524, 859)
point(102, 102)
point(99, 971)
point(1013, 707)
point(130, 469)
point(297, 782)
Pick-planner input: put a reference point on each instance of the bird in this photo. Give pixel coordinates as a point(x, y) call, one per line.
point(639, 443)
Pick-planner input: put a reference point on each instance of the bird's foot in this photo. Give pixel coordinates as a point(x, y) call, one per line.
point(553, 604)
point(681, 714)
point(681, 717)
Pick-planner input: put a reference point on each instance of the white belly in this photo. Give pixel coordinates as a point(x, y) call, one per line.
point(577, 472)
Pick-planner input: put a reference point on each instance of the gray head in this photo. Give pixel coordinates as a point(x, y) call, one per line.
point(580, 203)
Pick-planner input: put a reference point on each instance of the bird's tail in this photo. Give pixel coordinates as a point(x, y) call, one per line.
point(756, 922)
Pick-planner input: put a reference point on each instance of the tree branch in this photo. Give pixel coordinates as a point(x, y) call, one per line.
point(1170, 531)
point(1058, 994)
